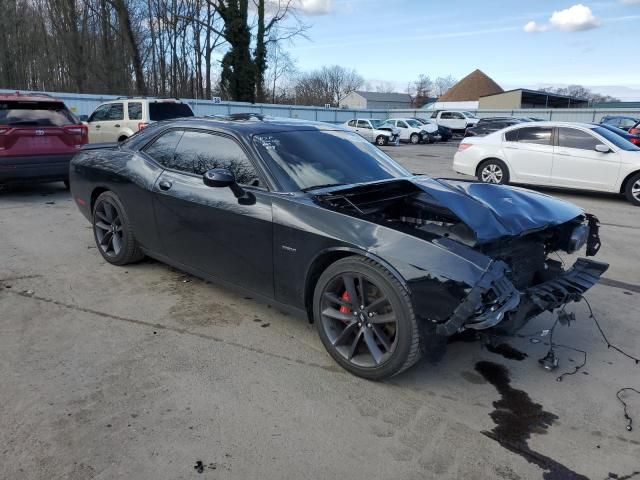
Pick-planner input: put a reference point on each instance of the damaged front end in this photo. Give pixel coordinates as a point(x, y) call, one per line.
point(522, 281)
point(516, 232)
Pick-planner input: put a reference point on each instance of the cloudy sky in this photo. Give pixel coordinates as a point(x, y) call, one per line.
point(518, 44)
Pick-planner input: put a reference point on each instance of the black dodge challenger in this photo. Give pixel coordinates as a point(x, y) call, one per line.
point(317, 220)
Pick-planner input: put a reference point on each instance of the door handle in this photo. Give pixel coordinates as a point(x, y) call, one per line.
point(97, 126)
point(164, 185)
point(117, 125)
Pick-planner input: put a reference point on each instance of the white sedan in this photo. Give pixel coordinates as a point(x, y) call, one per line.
point(571, 155)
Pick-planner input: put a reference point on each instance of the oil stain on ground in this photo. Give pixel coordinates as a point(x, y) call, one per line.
point(507, 351)
point(516, 417)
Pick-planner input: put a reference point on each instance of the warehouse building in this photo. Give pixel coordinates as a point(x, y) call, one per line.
point(523, 98)
point(362, 99)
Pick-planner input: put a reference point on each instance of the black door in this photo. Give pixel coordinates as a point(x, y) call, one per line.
point(205, 228)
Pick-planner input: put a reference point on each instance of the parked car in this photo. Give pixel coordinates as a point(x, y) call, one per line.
point(571, 155)
point(413, 131)
point(620, 121)
point(374, 130)
point(117, 120)
point(456, 121)
point(38, 137)
point(631, 137)
point(318, 221)
point(445, 133)
point(489, 126)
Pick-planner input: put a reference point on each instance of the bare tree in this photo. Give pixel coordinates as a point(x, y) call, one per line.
point(442, 84)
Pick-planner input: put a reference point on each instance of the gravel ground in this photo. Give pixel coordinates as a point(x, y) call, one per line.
point(141, 372)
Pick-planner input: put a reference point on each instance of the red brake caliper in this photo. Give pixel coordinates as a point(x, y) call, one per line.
point(344, 308)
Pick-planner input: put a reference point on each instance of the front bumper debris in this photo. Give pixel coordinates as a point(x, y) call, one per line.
point(495, 300)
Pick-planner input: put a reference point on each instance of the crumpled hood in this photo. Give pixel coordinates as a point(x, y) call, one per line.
point(494, 211)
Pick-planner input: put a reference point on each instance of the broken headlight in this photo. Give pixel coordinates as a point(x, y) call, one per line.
point(578, 238)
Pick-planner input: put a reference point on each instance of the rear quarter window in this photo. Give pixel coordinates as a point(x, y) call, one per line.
point(159, 111)
point(41, 114)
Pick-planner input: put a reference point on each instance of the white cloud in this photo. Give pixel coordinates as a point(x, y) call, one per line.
point(534, 27)
point(315, 7)
point(574, 19)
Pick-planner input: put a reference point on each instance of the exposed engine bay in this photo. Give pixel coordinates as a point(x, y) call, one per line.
point(524, 279)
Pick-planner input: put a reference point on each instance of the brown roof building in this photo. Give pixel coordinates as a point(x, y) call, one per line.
point(475, 85)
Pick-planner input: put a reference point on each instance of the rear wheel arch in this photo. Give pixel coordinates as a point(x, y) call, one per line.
point(324, 259)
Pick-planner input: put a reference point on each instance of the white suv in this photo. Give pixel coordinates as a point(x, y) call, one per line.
point(118, 119)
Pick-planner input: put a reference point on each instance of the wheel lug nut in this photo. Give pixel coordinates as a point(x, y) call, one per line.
point(361, 307)
point(359, 324)
point(370, 314)
point(369, 325)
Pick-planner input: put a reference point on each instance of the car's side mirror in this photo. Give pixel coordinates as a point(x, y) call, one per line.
point(222, 178)
point(602, 148)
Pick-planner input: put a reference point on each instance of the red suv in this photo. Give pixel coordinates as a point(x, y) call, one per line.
point(38, 137)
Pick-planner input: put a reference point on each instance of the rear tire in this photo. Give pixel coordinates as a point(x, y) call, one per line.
point(493, 171)
point(374, 342)
point(113, 231)
point(632, 190)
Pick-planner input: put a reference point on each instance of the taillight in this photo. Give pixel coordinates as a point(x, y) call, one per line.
point(142, 125)
point(76, 130)
point(634, 131)
point(463, 146)
point(635, 141)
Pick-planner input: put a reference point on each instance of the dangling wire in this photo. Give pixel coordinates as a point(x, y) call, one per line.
point(604, 337)
point(624, 406)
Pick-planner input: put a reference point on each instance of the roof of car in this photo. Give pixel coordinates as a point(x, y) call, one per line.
point(28, 97)
point(250, 123)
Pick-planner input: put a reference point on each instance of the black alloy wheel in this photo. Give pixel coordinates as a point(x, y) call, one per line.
point(113, 231)
point(365, 320)
point(381, 140)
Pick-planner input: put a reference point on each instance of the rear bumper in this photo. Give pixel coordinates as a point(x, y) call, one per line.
point(495, 302)
point(40, 168)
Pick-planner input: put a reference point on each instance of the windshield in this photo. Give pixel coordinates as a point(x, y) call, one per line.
point(42, 114)
point(167, 110)
point(376, 122)
point(414, 123)
point(616, 139)
point(469, 115)
point(305, 159)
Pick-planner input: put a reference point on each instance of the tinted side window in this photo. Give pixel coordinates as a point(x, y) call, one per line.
point(446, 115)
point(627, 123)
point(99, 114)
point(198, 152)
point(116, 112)
point(572, 138)
point(536, 135)
point(352, 123)
point(457, 116)
point(401, 124)
point(134, 110)
point(363, 124)
point(162, 150)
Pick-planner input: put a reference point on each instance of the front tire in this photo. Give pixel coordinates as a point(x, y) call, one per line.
point(414, 138)
point(632, 190)
point(365, 319)
point(493, 171)
point(382, 140)
point(113, 231)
